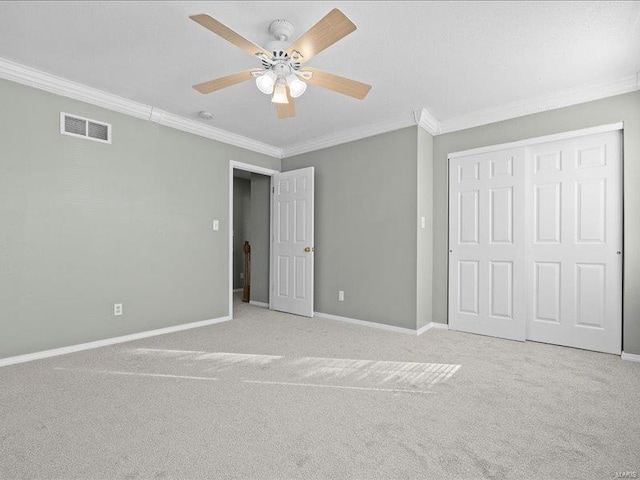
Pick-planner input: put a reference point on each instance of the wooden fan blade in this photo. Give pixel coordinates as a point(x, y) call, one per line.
point(224, 82)
point(225, 32)
point(339, 84)
point(334, 26)
point(286, 110)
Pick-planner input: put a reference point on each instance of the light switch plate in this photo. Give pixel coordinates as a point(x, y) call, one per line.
point(216, 225)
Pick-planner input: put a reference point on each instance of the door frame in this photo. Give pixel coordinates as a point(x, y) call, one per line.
point(247, 167)
point(528, 142)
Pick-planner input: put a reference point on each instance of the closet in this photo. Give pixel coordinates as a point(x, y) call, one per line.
point(535, 240)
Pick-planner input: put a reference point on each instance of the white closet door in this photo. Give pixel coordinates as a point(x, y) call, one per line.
point(574, 261)
point(486, 243)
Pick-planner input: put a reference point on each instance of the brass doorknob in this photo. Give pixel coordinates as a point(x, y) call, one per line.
point(308, 249)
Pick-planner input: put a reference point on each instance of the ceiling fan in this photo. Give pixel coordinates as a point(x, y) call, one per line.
point(283, 75)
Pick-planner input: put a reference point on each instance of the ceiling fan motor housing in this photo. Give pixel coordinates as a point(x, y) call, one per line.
point(282, 31)
point(278, 48)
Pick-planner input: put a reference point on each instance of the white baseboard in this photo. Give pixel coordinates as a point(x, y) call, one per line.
point(258, 304)
point(631, 357)
point(429, 326)
point(108, 341)
point(365, 323)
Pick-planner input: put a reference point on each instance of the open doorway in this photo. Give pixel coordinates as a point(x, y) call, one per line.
point(249, 221)
point(251, 218)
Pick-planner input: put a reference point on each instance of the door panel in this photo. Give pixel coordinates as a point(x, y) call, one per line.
point(590, 295)
point(501, 209)
point(547, 212)
point(469, 287)
point(292, 282)
point(546, 292)
point(590, 210)
point(469, 220)
point(282, 274)
point(486, 289)
point(501, 285)
point(574, 273)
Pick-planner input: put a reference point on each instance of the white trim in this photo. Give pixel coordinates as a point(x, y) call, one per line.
point(365, 323)
point(429, 122)
point(564, 98)
point(192, 126)
point(60, 86)
point(439, 326)
point(108, 341)
point(271, 238)
point(536, 140)
point(77, 91)
point(248, 168)
point(432, 325)
point(423, 329)
point(631, 357)
point(67, 88)
point(349, 135)
point(258, 304)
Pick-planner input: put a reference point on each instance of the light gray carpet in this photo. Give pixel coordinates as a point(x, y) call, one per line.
point(271, 396)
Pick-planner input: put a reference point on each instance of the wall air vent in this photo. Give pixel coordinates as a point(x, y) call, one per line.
point(83, 127)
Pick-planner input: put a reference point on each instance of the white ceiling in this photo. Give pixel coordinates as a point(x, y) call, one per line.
point(452, 58)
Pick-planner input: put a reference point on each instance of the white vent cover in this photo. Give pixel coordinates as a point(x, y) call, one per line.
point(83, 127)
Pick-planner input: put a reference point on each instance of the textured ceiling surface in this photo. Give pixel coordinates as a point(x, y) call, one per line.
point(451, 58)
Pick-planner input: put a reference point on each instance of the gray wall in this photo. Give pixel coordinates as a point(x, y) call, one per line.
point(84, 225)
point(424, 258)
point(260, 217)
point(241, 210)
point(624, 108)
point(365, 240)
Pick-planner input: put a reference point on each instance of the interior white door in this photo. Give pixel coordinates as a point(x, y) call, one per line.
point(486, 244)
point(574, 261)
point(292, 240)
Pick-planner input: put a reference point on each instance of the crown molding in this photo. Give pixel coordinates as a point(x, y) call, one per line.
point(192, 126)
point(61, 86)
point(564, 98)
point(429, 122)
point(77, 91)
point(349, 135)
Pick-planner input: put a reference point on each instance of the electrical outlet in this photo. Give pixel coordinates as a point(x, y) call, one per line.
point(117, 309)
point(241, 275)
point(423, 222)
point(341, 295)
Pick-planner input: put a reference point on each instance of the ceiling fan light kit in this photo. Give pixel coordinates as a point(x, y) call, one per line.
point(280, 93)
point(266, 81)
point(296, 86)
point(280, 75)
